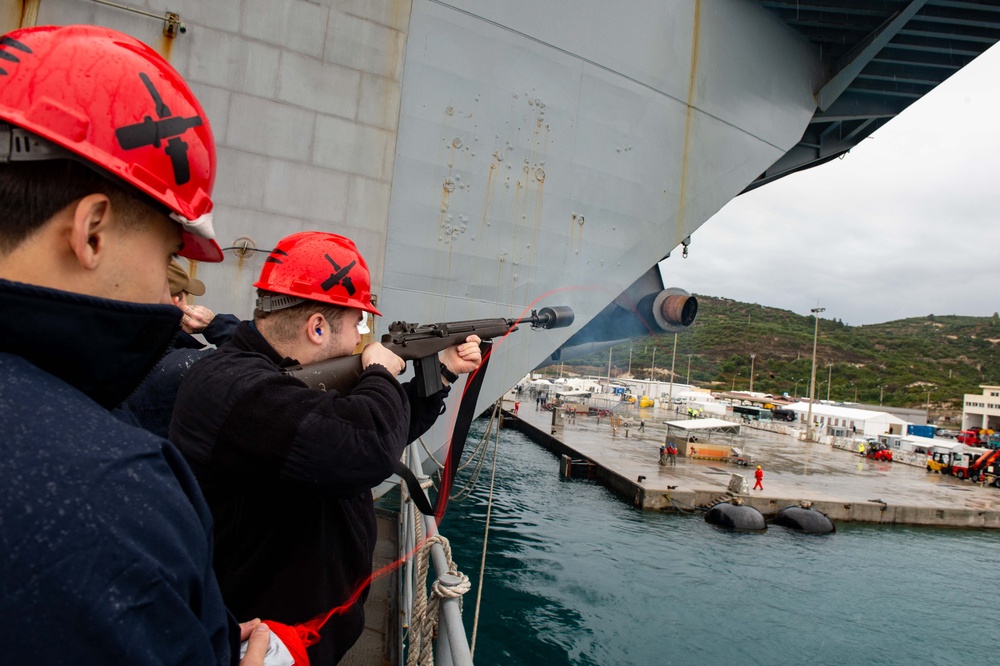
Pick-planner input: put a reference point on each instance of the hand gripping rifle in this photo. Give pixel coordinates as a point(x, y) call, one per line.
point(421, 344)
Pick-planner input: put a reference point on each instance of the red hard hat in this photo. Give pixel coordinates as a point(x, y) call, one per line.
point(106, 99)
point(316, 266)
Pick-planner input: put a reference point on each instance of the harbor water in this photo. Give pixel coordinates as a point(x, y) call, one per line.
point(574, 575)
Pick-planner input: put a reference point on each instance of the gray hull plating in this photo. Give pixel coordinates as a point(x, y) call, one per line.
point(549, 154)
point(487, 157)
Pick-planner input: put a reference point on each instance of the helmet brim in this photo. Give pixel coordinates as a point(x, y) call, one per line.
point(200, 249)
point(371, 309)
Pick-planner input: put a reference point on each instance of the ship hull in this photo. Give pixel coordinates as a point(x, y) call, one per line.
point(487, 158)
point(553, 156)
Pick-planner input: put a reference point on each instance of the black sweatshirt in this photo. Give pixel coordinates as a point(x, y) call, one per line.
point(288, 472)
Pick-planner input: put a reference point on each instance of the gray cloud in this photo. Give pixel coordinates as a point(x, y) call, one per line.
point(903, 226)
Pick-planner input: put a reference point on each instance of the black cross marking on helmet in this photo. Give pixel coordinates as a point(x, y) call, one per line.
point(339, 276)
point(150, 132)
point(7, 55)
point(273, 259)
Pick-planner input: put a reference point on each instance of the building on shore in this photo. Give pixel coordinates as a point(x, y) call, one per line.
point(842, 421)
point(665, 391)
point(982, 410)
point(908, 414)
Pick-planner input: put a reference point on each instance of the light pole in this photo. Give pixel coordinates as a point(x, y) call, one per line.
point(673, 360)
point(797, 381)
point(812, 377)
point(733, 389)
point(881, 393)
point(829, 382)
point(689, 370)
point(652, 372)
point(752, 357)
point(630, 361)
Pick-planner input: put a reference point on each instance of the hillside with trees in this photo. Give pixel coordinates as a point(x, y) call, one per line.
point(913, 362)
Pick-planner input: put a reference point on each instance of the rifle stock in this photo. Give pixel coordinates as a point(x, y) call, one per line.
point(421, 344)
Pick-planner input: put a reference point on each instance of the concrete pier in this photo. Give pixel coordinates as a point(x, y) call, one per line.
point(839, 483)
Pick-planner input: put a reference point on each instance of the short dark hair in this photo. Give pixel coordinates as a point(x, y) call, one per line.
point(285, 322)
point(32, 192)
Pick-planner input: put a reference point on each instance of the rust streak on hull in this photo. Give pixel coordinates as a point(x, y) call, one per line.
point(692, 80)
point(29, 13)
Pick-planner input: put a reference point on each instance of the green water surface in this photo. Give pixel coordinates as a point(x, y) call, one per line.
point(576, 576)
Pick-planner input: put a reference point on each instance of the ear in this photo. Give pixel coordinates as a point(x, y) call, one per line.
point(316, 328)
point(89, 234)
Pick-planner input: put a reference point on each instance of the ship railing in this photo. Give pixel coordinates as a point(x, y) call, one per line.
point(452, 645)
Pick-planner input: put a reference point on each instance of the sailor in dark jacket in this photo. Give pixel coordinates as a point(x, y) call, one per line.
point(106, 539)
point(152, 404)
point(197, 319)
point(268, 451)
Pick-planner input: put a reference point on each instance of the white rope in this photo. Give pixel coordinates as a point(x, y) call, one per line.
point(486, 534)
point(441, 591)
point(479, 457)
point(425, 613)
point(429, 454)
point(420, 637)
point(484, 441)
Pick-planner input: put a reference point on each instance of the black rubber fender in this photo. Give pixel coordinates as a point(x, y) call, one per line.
point(736, 517)
point(808, 521)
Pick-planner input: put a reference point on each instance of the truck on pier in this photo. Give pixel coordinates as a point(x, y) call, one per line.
point(979, 437)
point(779, 414)
point(880, 451)
point(941, 457)
point(969, 437)
point(985, 463)
point(965, 463)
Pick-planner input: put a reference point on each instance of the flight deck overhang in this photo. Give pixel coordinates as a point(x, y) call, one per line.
point(881, 57)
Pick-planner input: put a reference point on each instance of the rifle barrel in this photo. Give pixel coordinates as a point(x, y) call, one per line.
point(415, 341)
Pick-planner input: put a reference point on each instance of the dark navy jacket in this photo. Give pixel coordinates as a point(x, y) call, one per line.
point(152, 404)
point(105, 538)
point(288, 473)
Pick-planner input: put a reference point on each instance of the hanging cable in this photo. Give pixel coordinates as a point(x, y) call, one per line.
point(480, 457)
point(481, 449)
point(486, 534)
point(430, 455)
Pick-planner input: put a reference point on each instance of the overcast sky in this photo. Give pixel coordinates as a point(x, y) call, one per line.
point(905, 225)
